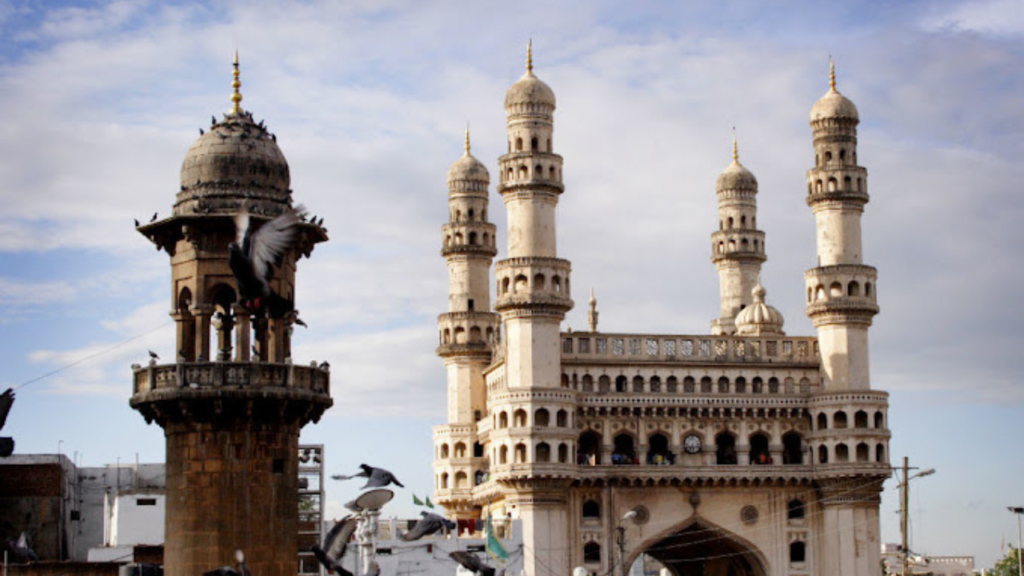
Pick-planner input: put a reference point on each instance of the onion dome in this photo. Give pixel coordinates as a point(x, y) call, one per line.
point(468, 169)
point(530, 91)
point(833, 104)
point(759, 319)
point(735, 176)
point(235, 159)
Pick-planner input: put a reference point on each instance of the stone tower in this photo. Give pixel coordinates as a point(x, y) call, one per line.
point(468, 333)
point(231, 418)
point(737, 248)
point(533, 297)
point(841, 303)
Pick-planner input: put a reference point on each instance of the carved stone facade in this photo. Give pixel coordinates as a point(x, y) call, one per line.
point(744, 451)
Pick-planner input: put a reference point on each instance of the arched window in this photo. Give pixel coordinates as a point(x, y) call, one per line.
point(795, 509)
point(519, 418)
point(520, 453)
point(562, 419)
point(723, 385)
point(563, 453)
point(853, 289)
point(565, 377)
point(638, 383)
point(541, 417)
point(842, 453)
point(472, 238)
point(543, 452)
point(588, 383)
point(839, 420)
point(672, 385)
point(604, 383)
point(444, 481)
point(591, 509)
point(620, 384)
point(817, 186)
point(521, 284)
point(689, 385)
point(822, 421)
point(741, 385)
point(503, 455)
point(478, 450)
point(503, 420)
point(475, 334)
point(819, 293)
point(519, 144)
point(444, 450)
point(533, 143)
point(538, 282)
point(880, 453)
point(757, 385)
point(725, 448)
point(828, 156)
point(460, 450)
point(822, 454)
point(623, 452)
point(588, 452)
point(860, 419)
point(743, 222)
point(797, 552)
point(842, 153)
point(792, 448)
point(879, 420)
point(591, 553)
point(833, 184)
point(655, 384)
point(867, 289)
point(460, 335)
point(461, 480)
point(730, 222)
point(524, 172)
point(549, 145)
point(835, 290)
point(551, 172)
point(556, 283)
point(705, 385)
point(773, 385)
point(863, 453)
point(759, 453)
point(658, 451)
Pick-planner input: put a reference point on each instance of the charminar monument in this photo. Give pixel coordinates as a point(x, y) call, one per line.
point(745, 451)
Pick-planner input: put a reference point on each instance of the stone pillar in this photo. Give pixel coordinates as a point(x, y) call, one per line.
point(243, 334)
point(202, 339)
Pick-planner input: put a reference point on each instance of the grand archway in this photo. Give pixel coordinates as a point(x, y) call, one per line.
point(703, 549)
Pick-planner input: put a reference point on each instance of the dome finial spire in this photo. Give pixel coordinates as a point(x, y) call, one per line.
point(236, 96)
point(831, 73)
point(529, 56)
point(735, 147)
point(467, 138)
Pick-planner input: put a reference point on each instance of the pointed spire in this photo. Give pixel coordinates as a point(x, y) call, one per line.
point(236, 96)
point(467, 138)
point(735, 147)
point(831, 73)
point(592, 313)
point(529, 57)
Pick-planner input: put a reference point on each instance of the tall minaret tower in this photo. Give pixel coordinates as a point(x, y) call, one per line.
point(467, 333)
point(841, 289)
point(737, 248)
point(851, 458)
point(533, 297)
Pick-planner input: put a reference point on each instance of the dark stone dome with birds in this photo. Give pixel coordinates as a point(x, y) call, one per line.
point(236, 159)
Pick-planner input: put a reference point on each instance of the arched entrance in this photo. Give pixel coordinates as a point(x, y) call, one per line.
point(703, 549)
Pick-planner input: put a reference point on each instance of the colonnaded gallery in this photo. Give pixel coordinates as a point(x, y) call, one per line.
point(745, 451)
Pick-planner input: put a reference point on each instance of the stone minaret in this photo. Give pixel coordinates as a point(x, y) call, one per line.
point(231, 419)
point(533, 297)
point(737, 248)
point(851, 463)
point(467, 333)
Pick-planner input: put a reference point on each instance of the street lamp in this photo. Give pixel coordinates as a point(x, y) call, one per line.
point(1018, 510)
point(904, 506)
point(621, 530)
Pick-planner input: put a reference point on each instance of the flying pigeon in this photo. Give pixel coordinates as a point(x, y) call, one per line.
point(154, 355)
point(430, 524)
point(471, 562)
point(6, 443)
point(253, 256)
point(228, 570)
point(335, 545)
point(378, 477)
point(21, 549)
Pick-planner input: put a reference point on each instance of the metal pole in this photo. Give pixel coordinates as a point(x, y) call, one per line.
point(1020, 560)
point(905, 553)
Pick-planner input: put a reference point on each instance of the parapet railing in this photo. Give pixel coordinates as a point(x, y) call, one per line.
point(584, 346)
point(239, 375)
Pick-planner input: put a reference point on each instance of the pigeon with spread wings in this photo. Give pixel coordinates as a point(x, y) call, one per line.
point(335, 544)
point(254, 255)
point(377, 477)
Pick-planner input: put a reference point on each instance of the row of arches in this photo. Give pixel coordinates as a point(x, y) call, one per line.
point(690, 385)
point(456, 216)
point(659, 451)
point(471, 239)
point(517, 144)
point(457, 450)
point(519, 454)
point(828, 157)
point(860, 420)
point(523, 172)
point(744, 246)
point(458, 481)
point(730, 222)
point(521, 283)
point(795, 509)
point(836, 290)
point(832, 185)
point(840, 453)
point(461, 336)
point(216, 328)
point(541, 419)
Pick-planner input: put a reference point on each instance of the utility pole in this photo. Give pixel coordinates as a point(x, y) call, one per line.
point(1018, 510)
point(904, 501)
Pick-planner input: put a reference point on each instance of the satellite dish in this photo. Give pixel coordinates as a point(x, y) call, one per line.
point(374, 499)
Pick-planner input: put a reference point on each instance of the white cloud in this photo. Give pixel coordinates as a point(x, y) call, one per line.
point(15, 293)
point(985, 16)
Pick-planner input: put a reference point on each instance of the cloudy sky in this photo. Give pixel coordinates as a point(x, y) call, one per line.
point(369, 101)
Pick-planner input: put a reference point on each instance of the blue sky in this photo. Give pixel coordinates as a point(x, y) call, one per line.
point(369, 101)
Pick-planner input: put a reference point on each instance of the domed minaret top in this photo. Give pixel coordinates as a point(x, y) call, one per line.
point(833, 104)
point(235, 160)
point(759, 319)
point(529, 95)
point(468, 174)
point(736, 176)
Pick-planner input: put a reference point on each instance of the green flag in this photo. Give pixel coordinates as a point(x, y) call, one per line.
point(494, 547)
point(429, 503)
point(416, 500)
